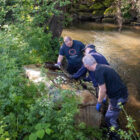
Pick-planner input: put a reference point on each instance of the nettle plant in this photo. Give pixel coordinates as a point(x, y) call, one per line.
point(28, 111)
point(131, 132)
point(31, 21)
point(55, 119)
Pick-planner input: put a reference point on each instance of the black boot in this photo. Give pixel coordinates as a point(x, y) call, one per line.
point(114, 136)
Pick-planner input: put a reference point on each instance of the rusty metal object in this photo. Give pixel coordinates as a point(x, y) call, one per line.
point(51, 66)
point(89, 116)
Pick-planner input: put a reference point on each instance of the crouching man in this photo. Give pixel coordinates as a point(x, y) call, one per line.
point(72, 50)
point(100, 59)
point(110, 84)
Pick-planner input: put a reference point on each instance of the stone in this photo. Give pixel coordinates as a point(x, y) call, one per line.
point(86, 98)
point(83, 8)
point(135, 23)
point(127, 21)
point(34, 74)
point(85, 16)
point(108, 20)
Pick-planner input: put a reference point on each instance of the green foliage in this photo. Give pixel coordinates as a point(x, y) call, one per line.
point(32, 11)
point(28, 111)
point(2, 12)
point(68, 19)
point(108, 3)
point(131, 132)
point(100, 7)
point(95, 133)
point(32, 18)
point(110, 11)
point(126, 7)
point(15, 92)
point(83, 7)
point(97, 6)
point(101, 4)
point(52, 122)
point(98, 12)
point(24, 106)
point(3, 134)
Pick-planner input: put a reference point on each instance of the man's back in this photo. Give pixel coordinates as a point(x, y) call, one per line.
point(100, 59)
point(82, 71)
point(106, 75)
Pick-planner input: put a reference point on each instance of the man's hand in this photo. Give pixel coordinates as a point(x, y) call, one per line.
point(58, 64)
point(98, 106)
point(70, 76)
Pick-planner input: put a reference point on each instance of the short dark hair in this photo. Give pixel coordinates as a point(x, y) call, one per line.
point(89, 46)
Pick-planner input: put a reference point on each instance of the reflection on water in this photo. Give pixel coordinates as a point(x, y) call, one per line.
point(122, 51)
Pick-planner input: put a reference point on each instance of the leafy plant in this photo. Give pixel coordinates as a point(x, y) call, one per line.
point(131, 132)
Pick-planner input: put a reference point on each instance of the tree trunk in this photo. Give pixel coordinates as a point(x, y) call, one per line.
point(119, 15)
point(55, 23)
point(138, 10)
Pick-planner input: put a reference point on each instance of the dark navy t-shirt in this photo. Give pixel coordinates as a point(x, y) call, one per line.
point(100, 59)
point(73, 54)
point(104, 74)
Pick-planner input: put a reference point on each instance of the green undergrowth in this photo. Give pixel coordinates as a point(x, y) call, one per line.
point(32, 112)
point(29, 111)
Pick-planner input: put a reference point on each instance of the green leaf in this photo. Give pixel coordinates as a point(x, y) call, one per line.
point(47, 125)
point(2, 138)
point(32, 136)
point(40, 133)
point(48, 131)
point(1, 131)
point(38, 126)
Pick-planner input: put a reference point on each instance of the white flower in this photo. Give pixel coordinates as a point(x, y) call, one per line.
point(5, 26)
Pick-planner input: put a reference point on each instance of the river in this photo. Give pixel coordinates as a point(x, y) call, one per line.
point(122, 50)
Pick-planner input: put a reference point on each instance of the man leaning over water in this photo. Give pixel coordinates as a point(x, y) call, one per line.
point(72, 50)
point(110, 84)
point(90, 49)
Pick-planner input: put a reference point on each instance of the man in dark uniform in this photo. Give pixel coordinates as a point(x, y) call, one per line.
point(110, 84)
point(90, 49)
point(72, 50)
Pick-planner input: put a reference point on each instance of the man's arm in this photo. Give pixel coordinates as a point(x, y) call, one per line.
point(102, 93)
point(60, 58)
point(80, 72)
